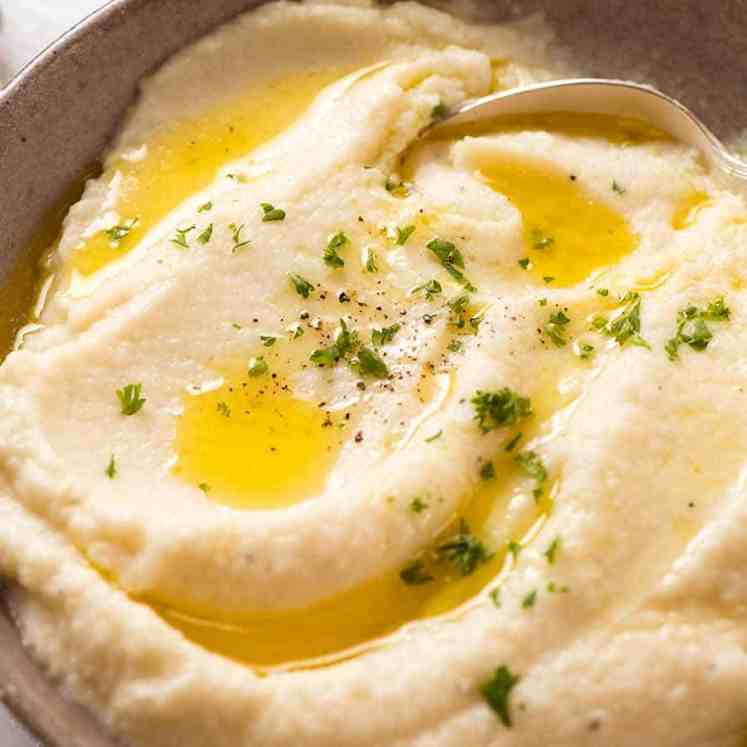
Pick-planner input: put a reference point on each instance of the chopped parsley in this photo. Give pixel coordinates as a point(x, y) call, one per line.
point(554, 328)
point(204, 487)
point(181, 236)
point(432, 288)
point(618, 188)
point(497, 690)
point(552, 551)
point(584, 351)
point(496, 409)
point(258, 366)
point(345, 341)
point(512, 443)
point(487, 471)
point(205, 207)
point(223, 408)
point(458, 306)
point(418, 505)
point(455, 346)
point(434, 437)
point(495, 597)
point(549, 279)
point(384, 335)
point(692, 328)
point(267, 340)
point(369, 363)
point(395, 187)
point(303, 287)
point(238, 242)
point(529, 599)
point(464, 551)
point(451, 260)
point(541, 240)
point(603, 292)
point(533, 465)
point(371, 261)
point(626, 326)
point(514, 548)
point(119, 232)
point(204, 237)
point(439, 111)
point(111, 469)
point(129, 399)
point(336, 242)
point(524, 263)
point(404, 233)
point(271, 213)
point(415, 574)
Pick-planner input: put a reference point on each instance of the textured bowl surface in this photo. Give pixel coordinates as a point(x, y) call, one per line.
point(57, 116)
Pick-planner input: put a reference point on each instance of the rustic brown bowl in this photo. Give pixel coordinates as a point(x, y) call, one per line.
point(57, 116)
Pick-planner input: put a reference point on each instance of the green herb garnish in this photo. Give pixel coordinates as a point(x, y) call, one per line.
point(371, 261)
point(533, 465)
point(618, 188)
point(415, 574)
point(464, 551)
point(432, 438)
point(181, 237)
point(432, 288)
point(529, 599)
point(404, 233)
point(384, 335)
point(692, 328)
point(541, 240)
point(258, 366)
point(223, 408)
point(303, 287)
point(111, 469)
point(552, 551)
point(487, 471)
point(271, 213)
point(496, 409)
point(204, 237)
point(451, 260)
point(497, 691)
point(418, 505)
point(205, 207)
point(267, 340)
point(554, 328)
point(117, 233)
point(129, 399)
point(370, 363)
point(336, 242)
point(238, 243)
point(626, 326)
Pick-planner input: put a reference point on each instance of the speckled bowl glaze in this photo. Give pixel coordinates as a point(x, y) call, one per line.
point(57, 116)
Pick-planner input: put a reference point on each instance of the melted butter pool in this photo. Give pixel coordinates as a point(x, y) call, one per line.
point(251, 444)
point(183, 159)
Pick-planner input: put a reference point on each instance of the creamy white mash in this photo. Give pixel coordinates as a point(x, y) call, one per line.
point(330, 435)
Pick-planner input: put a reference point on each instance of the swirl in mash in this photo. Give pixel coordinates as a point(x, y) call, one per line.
point(332, 435)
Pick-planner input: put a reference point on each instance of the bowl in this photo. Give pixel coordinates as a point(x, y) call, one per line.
point(58, 114)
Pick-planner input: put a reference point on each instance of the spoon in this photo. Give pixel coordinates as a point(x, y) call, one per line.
point(601, 96)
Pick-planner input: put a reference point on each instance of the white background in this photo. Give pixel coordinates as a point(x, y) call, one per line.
point(26, 27)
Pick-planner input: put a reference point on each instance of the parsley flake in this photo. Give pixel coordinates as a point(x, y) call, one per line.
point(271, 213)
point(540, 239)
point(552, 551)
point(370, 363)
point(129, 399)
point(497, 690)
point(204, 237)
point(371, 261)
point(432, 288)
point(487, 471)
point(554, 328)
point(418, 505)
point(496, 409)
point(451, 260)
point(238, 243)
point(223, 408)
point(303, 287)
point(464, 551)
point(404, 233)
point(111, 469)
point(181, 236)
point(331, 256)
point(533, 465)
point(205, 207)
point(529, 599)
point(384, 335)
point(258, 366)
point(415, 574)
point(692, 329)
point(119, 232)
point(626, 326)
point(267, 340)
point(618, 188)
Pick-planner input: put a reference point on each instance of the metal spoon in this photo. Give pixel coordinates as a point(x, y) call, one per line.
point(601, 96)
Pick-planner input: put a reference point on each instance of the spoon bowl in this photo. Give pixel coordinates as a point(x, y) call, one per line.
point(600, 96)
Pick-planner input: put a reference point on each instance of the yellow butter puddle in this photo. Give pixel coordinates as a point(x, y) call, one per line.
point(686, 213)
point(183, 158)
point(351, 623)
point(568, 233)
point(370, 614)
point(250, 443)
